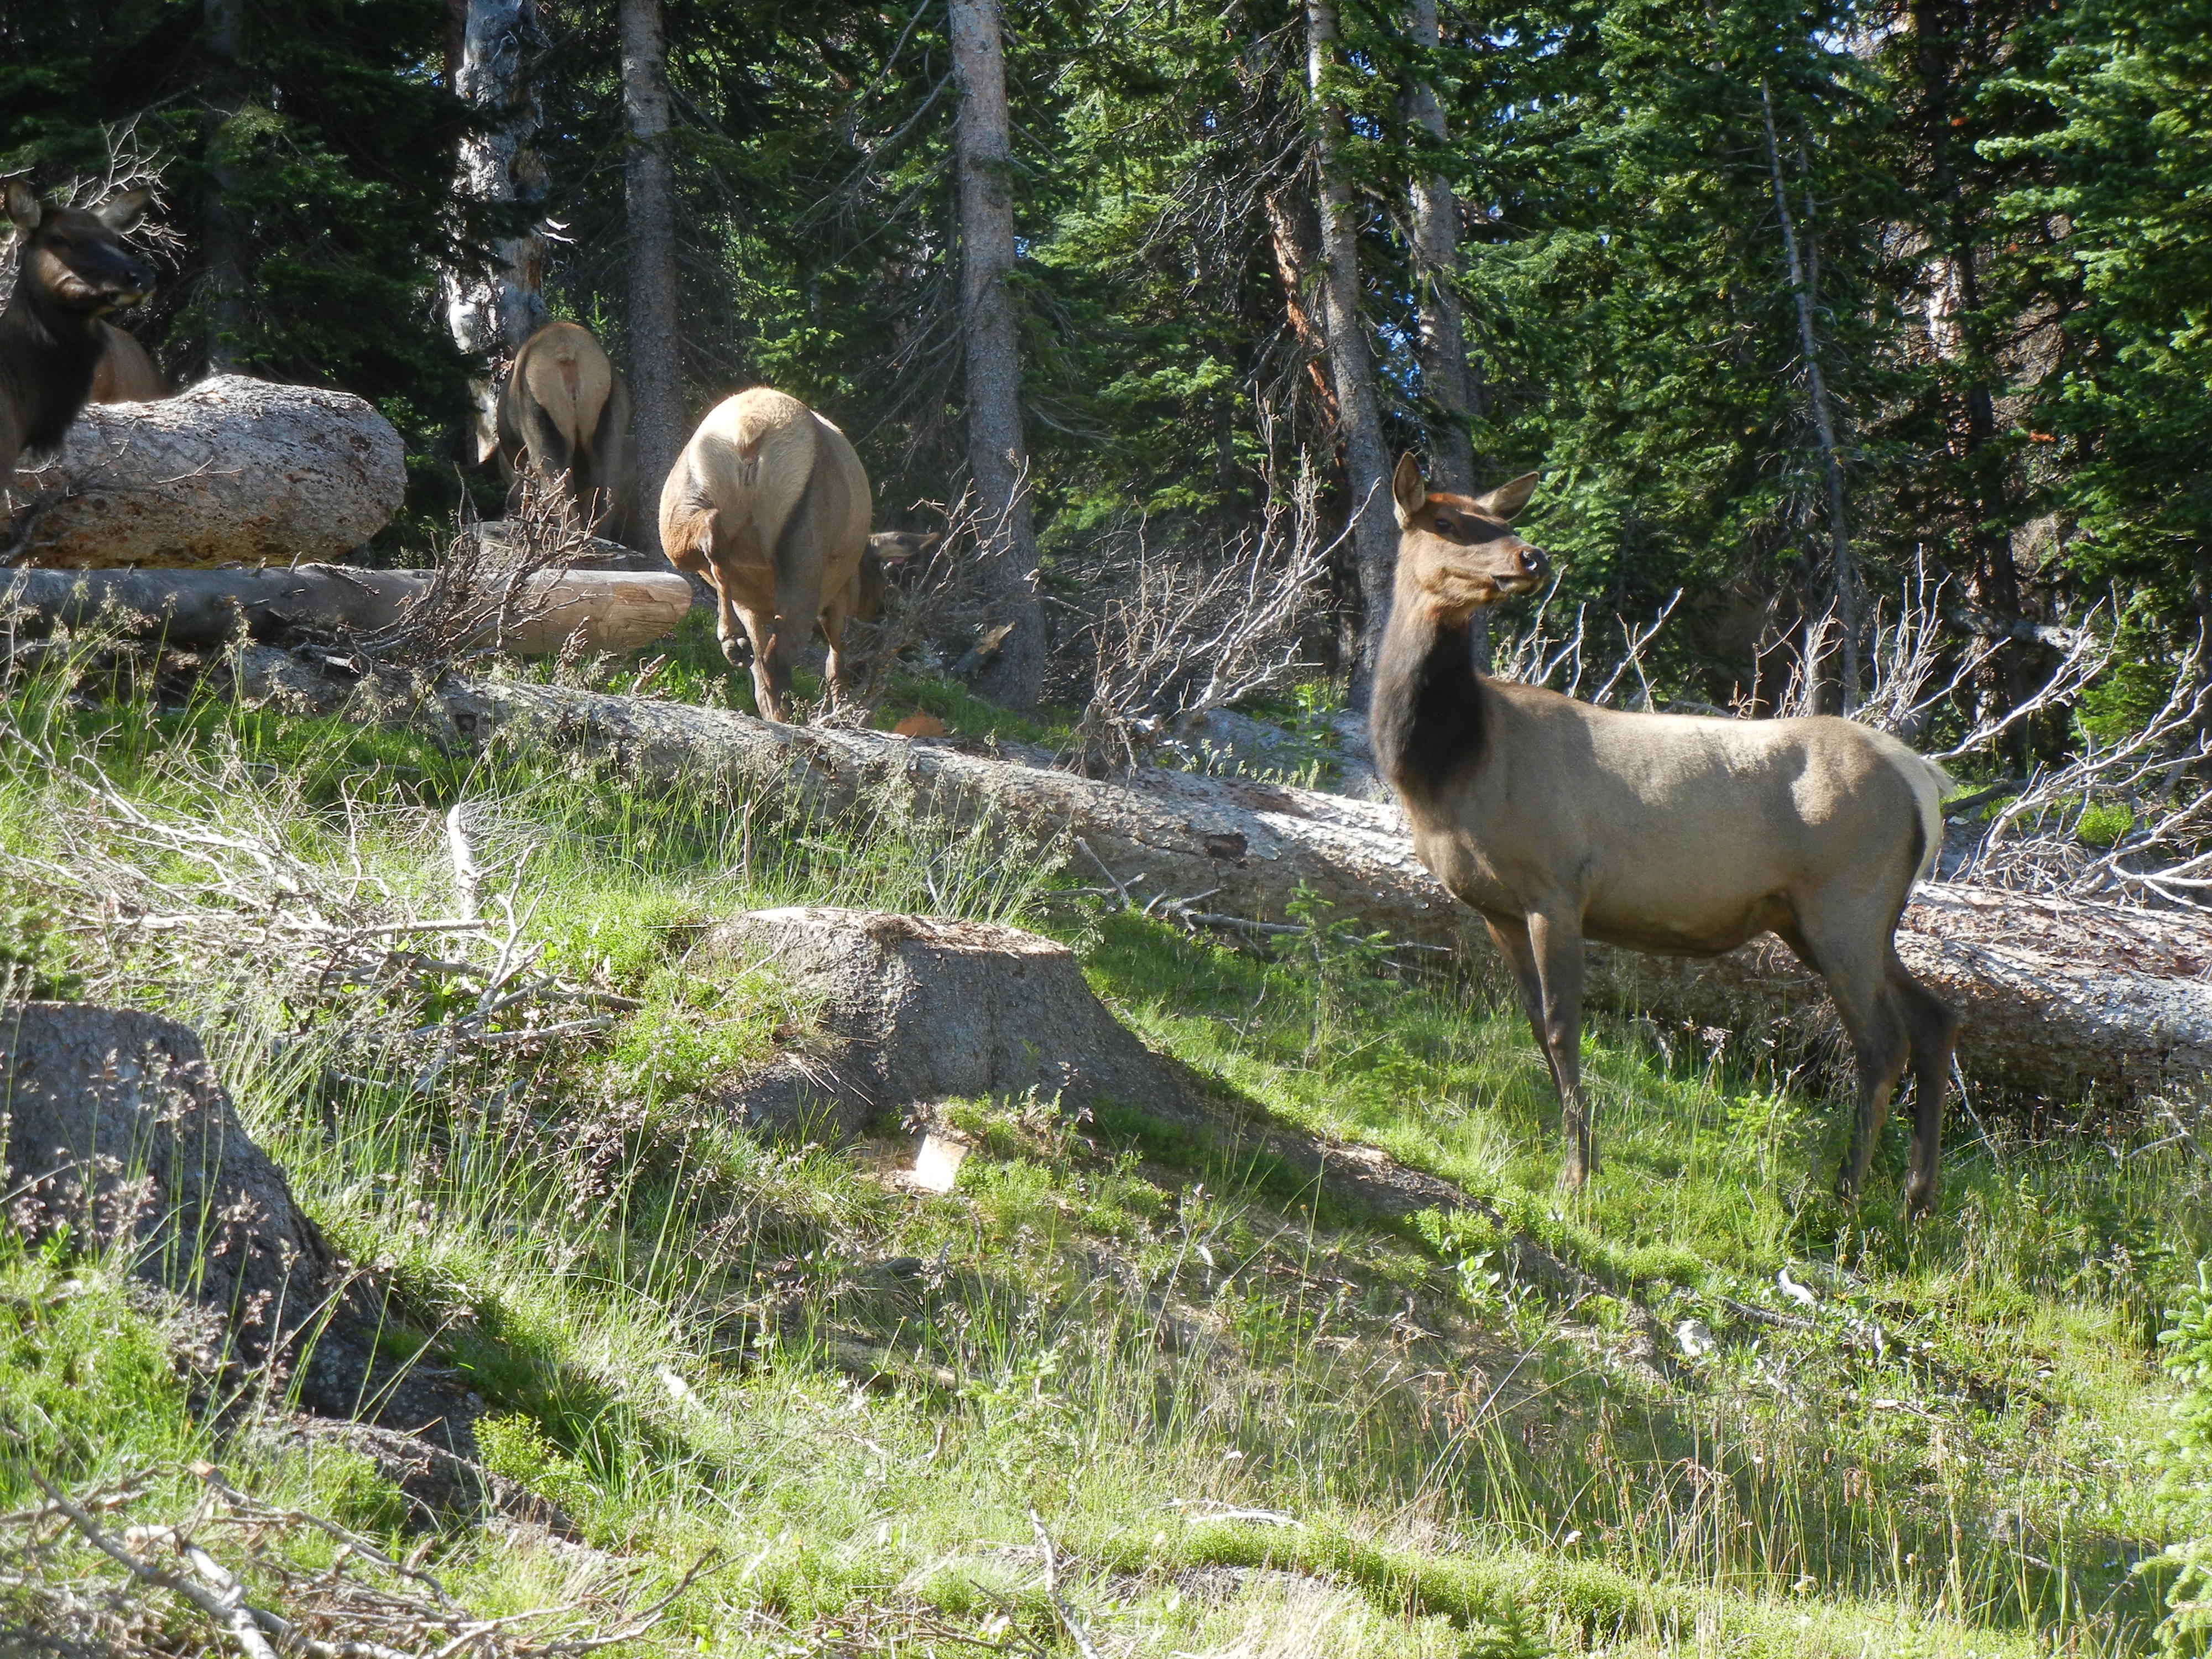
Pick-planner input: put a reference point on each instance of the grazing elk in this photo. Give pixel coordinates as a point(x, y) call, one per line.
point(126, 372)
point(564, 419)
point(770, 505)
point(1557, 821)
point(890, 554)
point(72, 268)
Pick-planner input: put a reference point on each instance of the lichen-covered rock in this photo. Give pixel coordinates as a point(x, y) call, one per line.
point(230, 471)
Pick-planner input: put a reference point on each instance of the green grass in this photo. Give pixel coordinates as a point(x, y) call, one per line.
point(689, 1338)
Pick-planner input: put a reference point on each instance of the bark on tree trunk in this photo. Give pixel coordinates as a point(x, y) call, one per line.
point(1851, 604)
point(1960, 335)
point(617, 610)
point(493, 49)
point(1366, 470)
point(231, 471)
point(1446, 374)
point(2057, 997)
point(997, 450)
point(1294, 235)
point(656, 340)
point(1453, 386)
point(222, 238)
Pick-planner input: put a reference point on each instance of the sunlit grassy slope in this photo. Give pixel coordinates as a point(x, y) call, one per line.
point(1250, 1428)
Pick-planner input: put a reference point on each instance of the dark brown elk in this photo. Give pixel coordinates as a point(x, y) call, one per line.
point(126, 372)
point(769, 504)
point(564, 419)
point(73, 267)
point(1558, 822)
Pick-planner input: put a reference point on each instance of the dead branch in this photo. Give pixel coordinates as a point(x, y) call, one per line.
point(363, 1604)
point(1184, 631)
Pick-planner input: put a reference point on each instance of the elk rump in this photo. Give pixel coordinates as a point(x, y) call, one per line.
point(126, 372)
point(770, 505)
point(564, 420)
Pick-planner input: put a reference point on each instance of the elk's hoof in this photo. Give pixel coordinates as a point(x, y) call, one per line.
point(737, 652)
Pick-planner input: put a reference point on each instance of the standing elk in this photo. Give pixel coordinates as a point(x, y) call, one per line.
point(770, 505)
point(1557, 821)
point(73, 267)
point(126, 372)
point(564, 419)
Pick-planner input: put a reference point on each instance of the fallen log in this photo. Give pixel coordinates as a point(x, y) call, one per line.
point(231, 471)
point(2060, 999)
point(613, 610)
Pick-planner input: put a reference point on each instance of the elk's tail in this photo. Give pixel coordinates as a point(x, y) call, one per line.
point(1929, 783)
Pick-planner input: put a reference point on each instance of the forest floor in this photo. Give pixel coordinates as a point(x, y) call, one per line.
point(1113, 1392)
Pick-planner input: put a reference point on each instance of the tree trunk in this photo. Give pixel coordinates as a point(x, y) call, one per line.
point(1851, 604)
point(618, 610)
point(1453, 394)
point(1366, 469)
point(1294, 235)
point(1453, 386)
point(1960, 337)
point(2059, 997)
point(493, 49)
point(223, 237)
point(656, 340)
point(997, 451)
point(229, 470)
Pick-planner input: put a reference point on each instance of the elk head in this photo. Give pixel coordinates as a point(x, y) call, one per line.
point(75, 259)
point(1456, 553)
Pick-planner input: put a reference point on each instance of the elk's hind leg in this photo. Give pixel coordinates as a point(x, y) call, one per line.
point(835, 609)
point(1857, 977)
point(1932, 1030)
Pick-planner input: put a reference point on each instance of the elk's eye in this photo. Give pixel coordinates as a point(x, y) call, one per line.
point(1444, 524)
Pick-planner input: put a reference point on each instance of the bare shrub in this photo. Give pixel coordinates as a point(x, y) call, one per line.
point(1183, 630)
point(946, 597)
point(485, 587)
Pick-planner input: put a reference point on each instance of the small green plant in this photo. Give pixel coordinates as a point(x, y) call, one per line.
point(34, 956)
point(511, 1444)
point(2184, 1466)
point(2103, 822)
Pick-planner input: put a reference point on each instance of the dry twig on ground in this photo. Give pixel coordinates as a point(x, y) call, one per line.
point(233, 1561)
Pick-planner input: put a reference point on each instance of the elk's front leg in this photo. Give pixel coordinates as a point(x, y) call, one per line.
point(1510, 935)
point(1556, 942)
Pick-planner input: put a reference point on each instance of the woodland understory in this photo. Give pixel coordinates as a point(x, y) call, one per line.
point(1863, 351)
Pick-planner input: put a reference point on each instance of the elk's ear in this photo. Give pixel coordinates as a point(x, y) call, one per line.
point(124, 208)
point(1407, 492)
point(23, 206)
point(1504, 503)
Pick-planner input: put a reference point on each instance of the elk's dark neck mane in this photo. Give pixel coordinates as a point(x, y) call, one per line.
point(47, 357)
point(1425, 717)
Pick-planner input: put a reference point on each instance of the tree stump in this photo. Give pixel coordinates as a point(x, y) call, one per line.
point(923, 1010)
point(231, 471)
